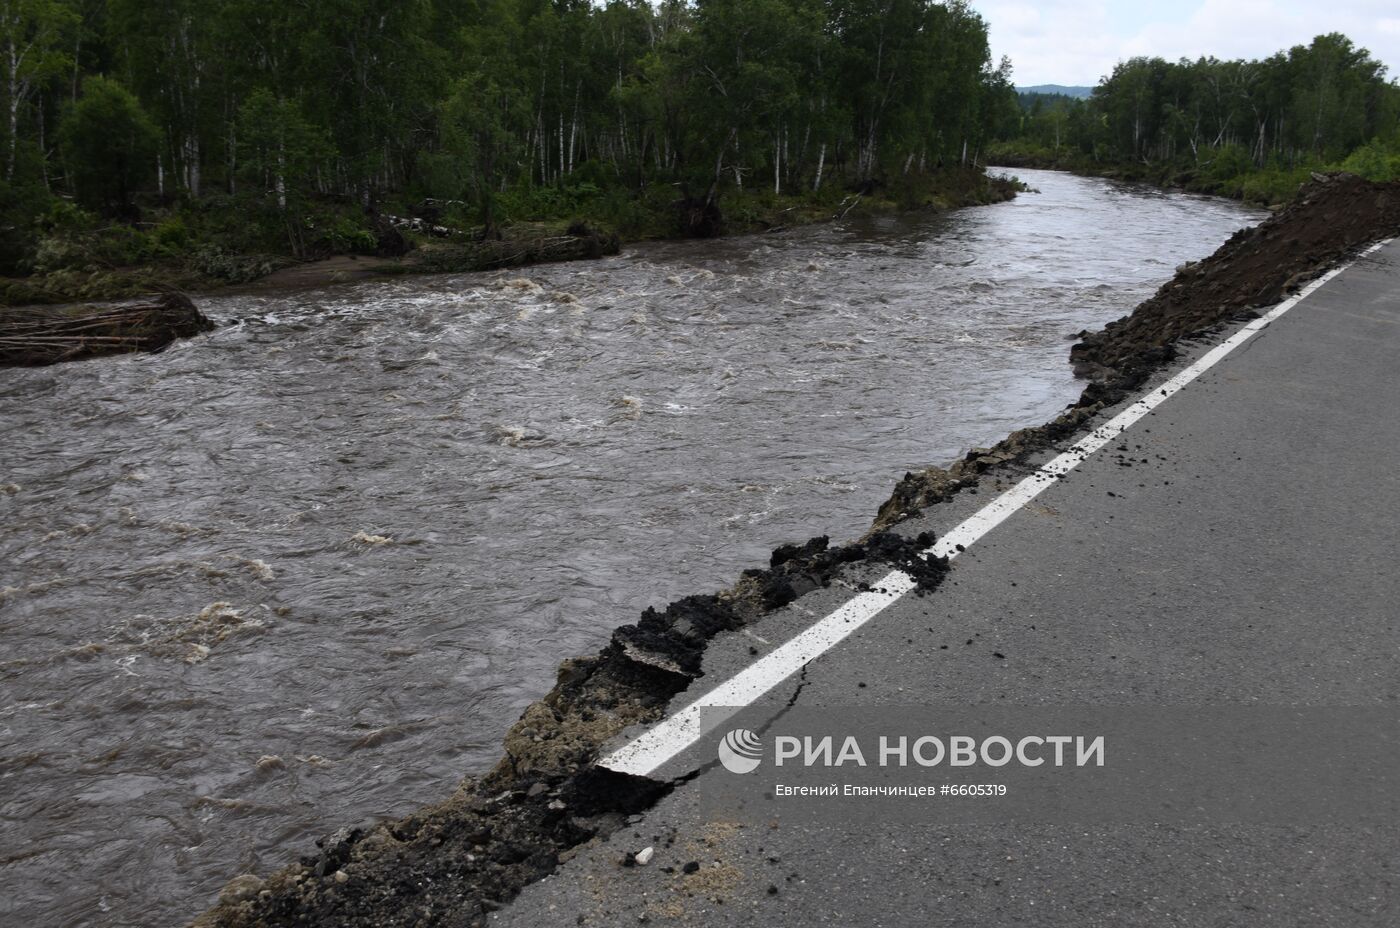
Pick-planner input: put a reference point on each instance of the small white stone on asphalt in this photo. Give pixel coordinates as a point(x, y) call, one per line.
point(644, 856)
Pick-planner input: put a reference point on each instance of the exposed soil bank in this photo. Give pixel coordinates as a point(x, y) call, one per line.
point(1333, 216)
point(38, 336)
point(452, 863)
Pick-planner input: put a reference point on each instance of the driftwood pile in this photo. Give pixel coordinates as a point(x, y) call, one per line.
point(581, 243)
point(34, 336)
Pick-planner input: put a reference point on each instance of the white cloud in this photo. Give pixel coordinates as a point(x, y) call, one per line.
point(1067, 42)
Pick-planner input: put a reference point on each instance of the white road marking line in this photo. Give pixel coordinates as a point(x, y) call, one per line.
point(654, 747)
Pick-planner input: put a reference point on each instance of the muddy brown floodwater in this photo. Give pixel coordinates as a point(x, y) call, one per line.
point(305, 571)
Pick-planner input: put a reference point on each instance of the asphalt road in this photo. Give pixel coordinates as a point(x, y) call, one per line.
point(1239, 546)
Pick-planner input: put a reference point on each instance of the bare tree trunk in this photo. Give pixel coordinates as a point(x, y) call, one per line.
point(573, 126)
point(719, 166)
point(14, 110)
point(43, 148)
point(282, 173)
point(777, 165)
point(544, 169)
point(192, 153)
point(738, 176)
point(233, 157)
point(787, 158)
point(821, 163)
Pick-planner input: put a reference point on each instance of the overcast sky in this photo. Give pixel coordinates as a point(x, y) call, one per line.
point(1079, 41)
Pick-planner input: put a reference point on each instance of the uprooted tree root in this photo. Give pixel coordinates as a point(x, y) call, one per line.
point(35, 336)
point(1333, 216)
point(452, 863)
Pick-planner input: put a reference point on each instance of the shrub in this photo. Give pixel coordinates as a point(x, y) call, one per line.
point(1374, 161)
point(109, 145)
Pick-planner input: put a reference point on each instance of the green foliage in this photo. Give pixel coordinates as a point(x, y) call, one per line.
point(261, 126)
point(1271, 186)
point(1251, 129)
point(1227, 163)
point(278, 149)
point(538, 203)
point(1376, 160)
point(171, 236)
point(213, 262)
point(270, 123)
point(343, 235)
point(109, 146)
point(36, 37)
point(20, 208)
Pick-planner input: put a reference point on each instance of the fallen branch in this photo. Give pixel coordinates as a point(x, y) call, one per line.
point(847, 208)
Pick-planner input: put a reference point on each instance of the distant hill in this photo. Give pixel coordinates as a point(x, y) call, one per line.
point(1081, 93)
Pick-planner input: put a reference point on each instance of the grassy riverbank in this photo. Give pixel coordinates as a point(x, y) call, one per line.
point(225, 242)
point(1271, 187)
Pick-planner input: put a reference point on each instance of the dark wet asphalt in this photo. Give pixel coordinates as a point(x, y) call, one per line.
point(1250, 560)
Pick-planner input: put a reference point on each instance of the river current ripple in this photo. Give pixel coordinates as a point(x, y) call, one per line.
point(305, 571)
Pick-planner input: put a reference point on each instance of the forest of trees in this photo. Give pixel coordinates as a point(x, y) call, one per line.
point(1244, 128)
point(295, 114)
point(141, 131)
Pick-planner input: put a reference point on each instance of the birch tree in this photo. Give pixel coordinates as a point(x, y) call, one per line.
point(33, 42)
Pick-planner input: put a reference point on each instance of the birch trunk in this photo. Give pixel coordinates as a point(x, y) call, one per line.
point(573, 126)
point(282, 174)
point(14, 61)
point(777, 167)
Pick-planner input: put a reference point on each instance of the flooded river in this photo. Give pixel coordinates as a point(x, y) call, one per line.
point(305, 571)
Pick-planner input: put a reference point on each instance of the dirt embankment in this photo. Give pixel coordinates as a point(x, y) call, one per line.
point(36, 336)
point(1333, 216)
point(453, 863)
